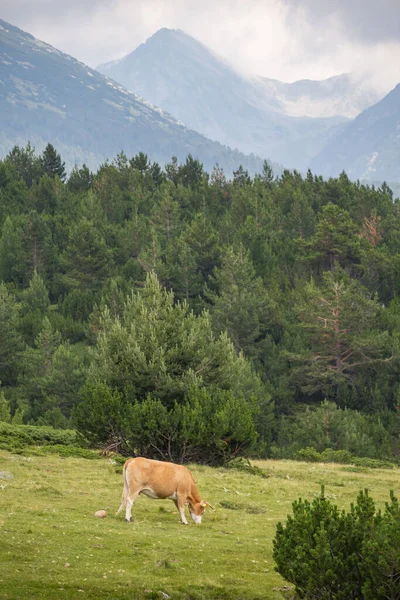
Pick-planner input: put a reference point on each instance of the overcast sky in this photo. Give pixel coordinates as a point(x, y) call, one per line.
point(284, 39)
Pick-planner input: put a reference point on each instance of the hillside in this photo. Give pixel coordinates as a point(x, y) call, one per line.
point(369, 147)
point(181, 75)
point(47, 96)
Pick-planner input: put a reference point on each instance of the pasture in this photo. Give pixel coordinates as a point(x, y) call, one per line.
point(52, 546)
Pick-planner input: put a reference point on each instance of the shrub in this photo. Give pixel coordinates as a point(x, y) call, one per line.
point(70, 451)
point(327, 553)
point(243, 464)
point(210, 426)
point(372, 463)
point(17, 437)
point(341, 456)
point(381, 555)
point(329, 427)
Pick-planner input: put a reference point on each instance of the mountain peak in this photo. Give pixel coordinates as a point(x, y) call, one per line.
point(175, 41)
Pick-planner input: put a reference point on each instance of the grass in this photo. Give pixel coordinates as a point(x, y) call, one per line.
point(52, 546)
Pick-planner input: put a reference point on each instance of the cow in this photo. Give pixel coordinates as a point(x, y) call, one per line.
point(160, 480)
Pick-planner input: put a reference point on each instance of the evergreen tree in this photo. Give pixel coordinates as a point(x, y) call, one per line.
point(80, 180)
point(27, 164)
point(140, 162)
point(191, 173)
point(159, 347)
point(203, 242)
point(240, 305)
point(241, 177)
point(11, 344)
point(34, 305)
point(52, 163)
point(267, 175)
point(36, 371)
point(340, 323)
point(5, 414)
point(336, 240)
point(87, 261)
point(184, 274)
point(165, 215)
point(25, 245)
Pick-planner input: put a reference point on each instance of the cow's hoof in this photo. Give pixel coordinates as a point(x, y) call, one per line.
point(129, 520)
point(184, 523)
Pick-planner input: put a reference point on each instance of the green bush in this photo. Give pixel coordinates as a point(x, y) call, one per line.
point(210, 426)
point(331, 554)
point(328, 427)
point(17, 437)
point(372, 463)
point(71, 451)
point(341, 456)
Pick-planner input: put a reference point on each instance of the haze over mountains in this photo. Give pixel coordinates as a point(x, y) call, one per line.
point(301, 124)
point(343, 95)
point(330, 125)
point(179, 74)
point(369, 147)
point(47, 96)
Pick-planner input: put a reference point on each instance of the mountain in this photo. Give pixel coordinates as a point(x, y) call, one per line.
point(181, 75)
point(369, 147)
point(47, 96)
point(341, 95)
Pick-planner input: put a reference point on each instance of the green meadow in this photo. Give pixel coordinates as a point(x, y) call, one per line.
point(53, 547)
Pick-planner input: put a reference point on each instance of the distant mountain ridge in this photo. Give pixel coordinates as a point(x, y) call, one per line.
point(48, 96)
point(341, 95)
point(369, 147)
point(180, 74)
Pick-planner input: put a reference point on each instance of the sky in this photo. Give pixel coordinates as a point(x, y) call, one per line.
point(282, 39)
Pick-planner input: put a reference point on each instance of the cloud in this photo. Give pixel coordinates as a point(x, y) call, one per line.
point(367, 21)
point(283, 39)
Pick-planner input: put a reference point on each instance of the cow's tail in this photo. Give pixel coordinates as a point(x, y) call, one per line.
point(125, 491)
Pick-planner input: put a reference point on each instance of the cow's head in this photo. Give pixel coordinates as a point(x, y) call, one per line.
point(197, 510)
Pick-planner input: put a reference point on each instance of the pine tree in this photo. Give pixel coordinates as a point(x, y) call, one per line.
point(25, 245)
point(160, 347)
point(140, 162)
point(80, 180)
point(27, 164)
point(87, 261)
point(203, 242)
point(267, 175)
point(191, 173)
point(336, 240)
point(52, 163)
point(339, 321)
point(11, 344)
point(34, 305)
point(240, 303)
point(5, 413)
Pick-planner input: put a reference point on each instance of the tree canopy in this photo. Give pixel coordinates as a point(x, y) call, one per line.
point(154, 292)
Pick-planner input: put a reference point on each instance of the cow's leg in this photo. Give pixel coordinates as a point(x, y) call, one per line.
point(129, 503)
point(180, 505)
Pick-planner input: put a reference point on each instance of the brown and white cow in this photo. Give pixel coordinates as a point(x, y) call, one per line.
point(160, 480)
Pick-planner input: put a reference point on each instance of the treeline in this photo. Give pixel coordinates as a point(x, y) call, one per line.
point(190, 316)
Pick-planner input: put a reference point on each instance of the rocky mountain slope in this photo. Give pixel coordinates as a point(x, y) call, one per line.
point(47, 96)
